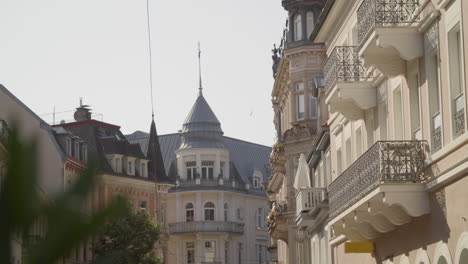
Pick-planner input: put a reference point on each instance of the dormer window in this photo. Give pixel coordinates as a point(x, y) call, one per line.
point(84, 153)
point(191, 170)
point(144, 170)
point(207, 170)
point(77, 150)
point(118, 165)
point(69, 147)
point(297, 28)
point(130, 167)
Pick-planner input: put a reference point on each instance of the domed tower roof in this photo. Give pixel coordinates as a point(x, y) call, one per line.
point(201, 128)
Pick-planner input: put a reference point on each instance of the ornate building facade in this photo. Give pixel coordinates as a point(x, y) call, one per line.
point(386, 182)
point(216, 211)
point(298, 74)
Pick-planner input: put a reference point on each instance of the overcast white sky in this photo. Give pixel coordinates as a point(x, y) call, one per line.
point(52, 52)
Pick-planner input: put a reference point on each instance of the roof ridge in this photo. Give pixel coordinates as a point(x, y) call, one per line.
point(245, 141)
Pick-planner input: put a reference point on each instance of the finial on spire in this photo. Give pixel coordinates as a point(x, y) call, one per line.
point(200, 88)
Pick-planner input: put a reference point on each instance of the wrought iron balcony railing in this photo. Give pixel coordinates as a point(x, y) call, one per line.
point(4, 132)
point(206, 226)
point(309, 199)
point(344, 65)
point(386, 162)
point(383, 13)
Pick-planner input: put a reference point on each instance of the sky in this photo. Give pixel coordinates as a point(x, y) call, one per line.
point(54, 52)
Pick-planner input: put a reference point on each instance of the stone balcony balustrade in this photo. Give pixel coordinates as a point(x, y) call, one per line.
point(206, 227)
point(380, 191)
point(388, 34)
point(348, 82)
point(311, 206)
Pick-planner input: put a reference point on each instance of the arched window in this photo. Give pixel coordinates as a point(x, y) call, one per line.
point(442, 260)
point(209, 211)
point(189, 212)
point(297, 27)
point(463, 256)
point(226, 211)
point(310, 22)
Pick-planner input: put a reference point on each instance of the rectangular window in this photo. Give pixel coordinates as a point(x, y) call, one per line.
point(260, 220)
point(69, 147)
point(383, 120)
point(239, 253)
point(256, 181)
point(370, 131)
point(77, 150)
point(339, 162)
point(414, 84)
point(259, 254)
point(226, 252)
point(300, 106)
point(348, 152)
point(328, 168)
point(207, 170)
point(143, 205)
point(118, 165)
point(358, 142)
point(191, 170)
point(84, 153)
point(130, 168)
point(299, 86)
point(190, 247)
point(456, 73)
point(433, 79)
point(210, 251)
point(313, 107)
point(398, 125)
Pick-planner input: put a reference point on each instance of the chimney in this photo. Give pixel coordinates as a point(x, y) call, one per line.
point(83, 112)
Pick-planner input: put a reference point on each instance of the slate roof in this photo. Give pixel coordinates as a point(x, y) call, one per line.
point(245, 156)
point(104, 138)
point(201, 128)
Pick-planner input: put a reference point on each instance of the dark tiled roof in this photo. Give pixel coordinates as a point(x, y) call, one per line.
point(245, 156)
point(201, 113)
point(201, 128)
point(156, 164)
point(101, 139)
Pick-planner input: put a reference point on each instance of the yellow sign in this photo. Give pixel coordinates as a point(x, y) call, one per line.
point(359, 247)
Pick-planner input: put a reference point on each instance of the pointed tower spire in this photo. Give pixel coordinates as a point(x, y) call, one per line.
point(200, 88)
point(156, 164)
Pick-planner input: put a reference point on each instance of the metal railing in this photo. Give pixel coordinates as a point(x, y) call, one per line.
point(212, 183)
point(206, 226)
point(381, 13)
point(385, 162)
point(308, 199)
point(344, 65)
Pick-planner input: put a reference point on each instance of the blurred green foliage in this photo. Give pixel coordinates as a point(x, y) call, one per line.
point(68, 223)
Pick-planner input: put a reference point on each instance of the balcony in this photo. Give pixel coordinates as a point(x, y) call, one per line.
point(311, 207)
point(277, 221)
point(381, 190)
point(388, 34)
point(348, 83)
point(206, 227)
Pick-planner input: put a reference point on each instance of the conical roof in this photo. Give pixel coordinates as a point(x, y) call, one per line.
point(156, 164)
point(201, 128)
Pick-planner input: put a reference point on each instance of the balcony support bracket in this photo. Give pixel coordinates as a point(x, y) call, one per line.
point(387, 48)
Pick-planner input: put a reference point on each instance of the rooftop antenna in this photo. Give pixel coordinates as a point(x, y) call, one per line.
point(81, 101)
point(150, 57)
point(200, 88)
